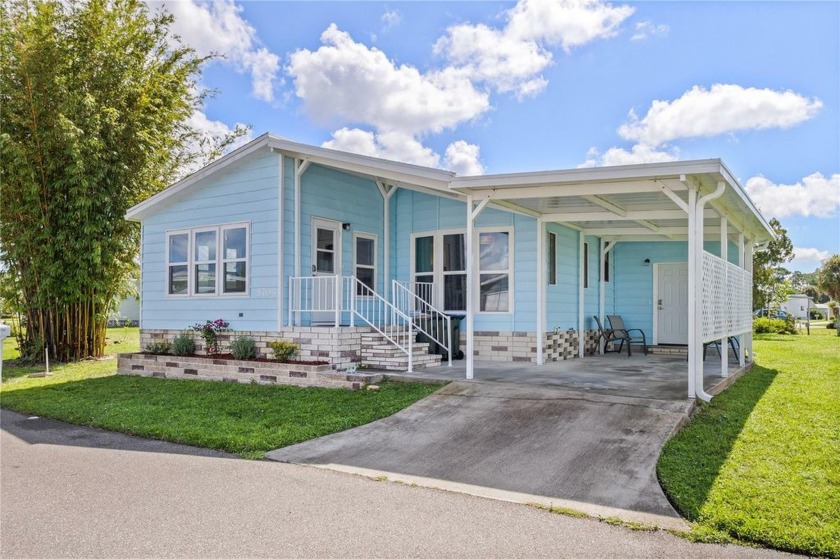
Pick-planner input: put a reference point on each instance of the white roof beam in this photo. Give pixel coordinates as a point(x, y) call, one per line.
point(516, 208)
point(631, 215)
point(557, 191)
point(607, 232)
point(606, 204)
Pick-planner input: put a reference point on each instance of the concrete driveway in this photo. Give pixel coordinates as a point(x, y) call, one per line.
point(592, 452)
point(69, 491)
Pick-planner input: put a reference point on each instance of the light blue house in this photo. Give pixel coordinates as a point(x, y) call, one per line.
point(353, 256)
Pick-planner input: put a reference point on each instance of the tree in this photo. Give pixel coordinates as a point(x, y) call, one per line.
point(828, 277)
point(95, 98)
point(766, 265)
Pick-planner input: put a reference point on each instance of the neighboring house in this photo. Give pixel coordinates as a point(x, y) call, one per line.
point(798, 305)
point(288, 240)
point(824, 309)
point(127, 312)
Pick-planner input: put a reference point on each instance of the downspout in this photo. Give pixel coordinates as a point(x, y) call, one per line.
point(698, 255)
point(541, 281)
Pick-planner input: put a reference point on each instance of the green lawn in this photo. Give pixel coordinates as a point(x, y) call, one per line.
point(245, 419)
point(761, 462)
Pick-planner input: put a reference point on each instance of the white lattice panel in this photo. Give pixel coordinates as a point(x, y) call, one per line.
point(727, 299)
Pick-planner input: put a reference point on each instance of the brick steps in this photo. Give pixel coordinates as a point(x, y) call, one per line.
point(379, 353)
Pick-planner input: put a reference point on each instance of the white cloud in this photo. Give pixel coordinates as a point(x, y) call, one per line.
point(218, 27)
point(719, 110)
point(395, 146)
point(645, 29)
point(815, 195)
point(210, 133)
point(813, 256)
point(639, 153)
point(347, 81)
point(512, 58)
point(460, 156)
point(390, 19)
point(463, 158)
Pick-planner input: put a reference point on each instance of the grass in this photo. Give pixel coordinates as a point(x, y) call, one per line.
point(761, 462)
point(244, 419)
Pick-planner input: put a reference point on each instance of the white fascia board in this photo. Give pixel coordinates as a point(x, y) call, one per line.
point(644, 171)
point(371, 166)
point(742, 194)
point(579, 217)
point(139, 211)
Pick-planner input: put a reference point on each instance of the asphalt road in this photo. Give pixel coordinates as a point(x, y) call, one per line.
point(73, 491)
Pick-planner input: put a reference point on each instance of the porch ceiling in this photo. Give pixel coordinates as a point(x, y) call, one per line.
point(630, 202)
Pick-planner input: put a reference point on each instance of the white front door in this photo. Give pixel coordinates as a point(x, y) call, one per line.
point(671, 302)
point(326, 261)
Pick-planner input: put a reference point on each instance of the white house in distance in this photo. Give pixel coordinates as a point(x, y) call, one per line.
point(286, 240)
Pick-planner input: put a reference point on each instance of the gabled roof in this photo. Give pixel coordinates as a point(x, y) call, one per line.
point(621, 201)
point(392, 172)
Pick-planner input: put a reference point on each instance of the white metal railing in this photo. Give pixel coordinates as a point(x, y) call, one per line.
point(385, 318)
point(727, 299)
point(414, 300)
point(325, 298)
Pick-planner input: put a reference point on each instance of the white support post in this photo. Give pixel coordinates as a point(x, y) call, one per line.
point(741, 264)
point(470, 233)
point(602, 288)
point(748, 265)
point(541, 281)
point(300, 168)
point(724, 254)
point(581, 298)
point(693, 330)
point(386, 192)
point(338, 301)
point(280, 252)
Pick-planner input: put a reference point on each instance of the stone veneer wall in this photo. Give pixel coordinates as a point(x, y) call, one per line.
point(260, 372)
point(522, 346)
point(341, 346)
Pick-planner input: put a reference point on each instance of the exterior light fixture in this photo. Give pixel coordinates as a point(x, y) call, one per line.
point(647, 261)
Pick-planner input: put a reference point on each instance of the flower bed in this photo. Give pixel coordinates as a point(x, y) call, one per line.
point(226, 369)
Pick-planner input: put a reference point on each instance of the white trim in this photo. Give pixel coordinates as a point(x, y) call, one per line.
point(140, 283)
point(581, 294)
point(438, 274)
point(331, 224)
point(540, 281)
point(372, 237)
point(281, 279)
point(218, 261)
point(654, 309)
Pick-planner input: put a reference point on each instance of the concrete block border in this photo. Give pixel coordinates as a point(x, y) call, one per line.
point(230, 370)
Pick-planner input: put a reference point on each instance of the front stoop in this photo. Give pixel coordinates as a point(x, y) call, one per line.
point(379, 353)
point(228, 370)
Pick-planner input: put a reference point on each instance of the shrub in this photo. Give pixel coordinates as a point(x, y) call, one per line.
point(774, 326)
point(210, 331)
point(284, 350)
point(831, 325)
point(161, 347)
point(243, 347)
point(183, 344)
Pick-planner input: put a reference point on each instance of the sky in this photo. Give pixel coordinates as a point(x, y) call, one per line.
point(495, 87)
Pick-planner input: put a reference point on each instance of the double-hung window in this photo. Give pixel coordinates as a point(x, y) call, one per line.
point(494, 272)
point(207, 261)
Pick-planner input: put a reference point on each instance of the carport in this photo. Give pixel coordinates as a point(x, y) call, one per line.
point(687, 202)
point(656, 377)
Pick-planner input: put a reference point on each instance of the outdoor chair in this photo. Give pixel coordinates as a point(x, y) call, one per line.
point(622, 334)
point(733, 343)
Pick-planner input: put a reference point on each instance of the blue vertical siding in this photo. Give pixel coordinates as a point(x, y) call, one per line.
point(562, 299)
point(247, 193)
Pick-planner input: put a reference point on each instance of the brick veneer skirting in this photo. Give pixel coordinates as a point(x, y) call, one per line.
point(340, 347)
point(229, 370)
point(522, 346)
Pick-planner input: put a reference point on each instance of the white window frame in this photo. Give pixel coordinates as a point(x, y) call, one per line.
point(374, 267)
point(509, 272)
point(472, 290)
point(219, 261)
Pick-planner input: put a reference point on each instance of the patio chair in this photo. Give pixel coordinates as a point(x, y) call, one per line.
point(607, 335)
point(622, 334)
point(733, 343)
